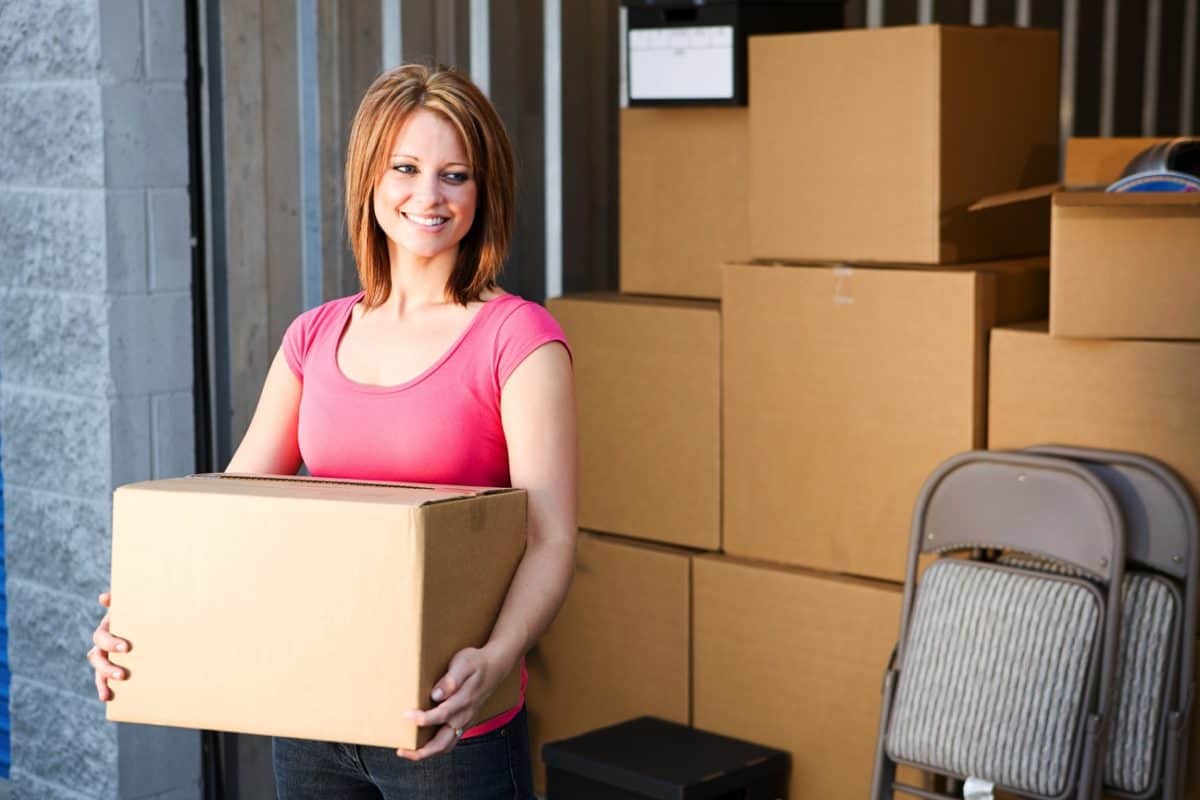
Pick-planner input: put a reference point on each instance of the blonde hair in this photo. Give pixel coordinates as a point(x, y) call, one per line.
point(389, 101)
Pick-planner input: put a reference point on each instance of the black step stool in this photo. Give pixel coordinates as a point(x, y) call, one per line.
point(652, 759)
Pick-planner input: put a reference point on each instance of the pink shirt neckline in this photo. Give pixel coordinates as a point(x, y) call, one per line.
point(372, 388)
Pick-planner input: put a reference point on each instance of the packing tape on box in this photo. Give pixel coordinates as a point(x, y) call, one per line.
point(843, 290)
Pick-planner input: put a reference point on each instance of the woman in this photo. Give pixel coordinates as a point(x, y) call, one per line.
point(430, 374)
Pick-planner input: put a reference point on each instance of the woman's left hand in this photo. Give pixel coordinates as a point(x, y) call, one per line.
point(472, 677)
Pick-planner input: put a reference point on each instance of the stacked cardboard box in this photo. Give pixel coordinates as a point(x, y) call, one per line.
point(1118, 364)
point(785, 431)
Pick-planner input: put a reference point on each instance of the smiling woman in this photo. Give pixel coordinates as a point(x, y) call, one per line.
point(468, 162)
point(430, 374)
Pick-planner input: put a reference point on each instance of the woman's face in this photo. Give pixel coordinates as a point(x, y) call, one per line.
point(425, 199)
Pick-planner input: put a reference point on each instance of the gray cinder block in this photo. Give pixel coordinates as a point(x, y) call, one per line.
point(121, 51)
point(151, 342)
point(125, 236)
point(170, 217)
point(35, 253)
point(55, 441)
point(173, 420)
point(166, 40)
point(55, 341)
point(52, 136)
point(145, 136)
point(129, 441)
point(57, 541)
point(25, 784)
point(63, 738)
point(49, 639)
point(49, 39)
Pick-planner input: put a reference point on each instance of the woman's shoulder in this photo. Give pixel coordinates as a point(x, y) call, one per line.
point(514, 315)
point(519, 327)
point(310, 325)
point(326, 312)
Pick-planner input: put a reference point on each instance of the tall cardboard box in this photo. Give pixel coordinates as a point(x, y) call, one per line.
point(843, 389)
point(619, 648)
point(302, 607)
point(868, 145)
point(1124, 264)
point(684, 186)
point(1123, 395)
point(794, 660)
point(647, 376)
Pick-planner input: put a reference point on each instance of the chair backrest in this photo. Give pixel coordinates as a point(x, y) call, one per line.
point(1146, 740)
point(1001, 672)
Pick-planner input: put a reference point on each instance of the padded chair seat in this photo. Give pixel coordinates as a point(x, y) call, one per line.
point(996, 669)
point(1149, 613)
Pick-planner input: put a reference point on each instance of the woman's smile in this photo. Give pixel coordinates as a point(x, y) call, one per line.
point(429, 223)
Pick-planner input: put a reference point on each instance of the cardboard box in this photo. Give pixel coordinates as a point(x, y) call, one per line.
point(684, 187)
point(868, 145)
point(619, 648)
point(1123, 395)
point(648, 382)
point(794, 660)
point(301, 607)
point(1123, 265)
point(843, 389)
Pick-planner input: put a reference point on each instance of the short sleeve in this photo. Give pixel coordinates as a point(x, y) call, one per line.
point(525, 329)
point(296, 341)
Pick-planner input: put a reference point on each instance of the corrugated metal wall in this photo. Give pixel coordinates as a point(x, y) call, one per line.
point(1128, 66)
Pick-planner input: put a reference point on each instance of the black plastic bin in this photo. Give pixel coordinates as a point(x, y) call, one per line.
point(649, 758)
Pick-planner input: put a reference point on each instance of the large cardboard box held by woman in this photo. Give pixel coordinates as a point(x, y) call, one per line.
point(300, 607)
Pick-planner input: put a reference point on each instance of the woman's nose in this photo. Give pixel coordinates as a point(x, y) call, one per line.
point(428, 188)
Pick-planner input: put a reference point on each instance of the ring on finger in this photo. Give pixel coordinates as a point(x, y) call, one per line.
point(458, 732)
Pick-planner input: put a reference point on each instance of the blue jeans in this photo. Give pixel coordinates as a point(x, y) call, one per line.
point(494, 766)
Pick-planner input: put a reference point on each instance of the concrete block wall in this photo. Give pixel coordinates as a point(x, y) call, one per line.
point(96, 383)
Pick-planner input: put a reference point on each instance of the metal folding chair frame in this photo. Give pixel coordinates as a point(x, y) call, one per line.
point(1044, 505)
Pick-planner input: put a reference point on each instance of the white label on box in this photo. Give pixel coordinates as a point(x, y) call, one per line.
point(681, 63)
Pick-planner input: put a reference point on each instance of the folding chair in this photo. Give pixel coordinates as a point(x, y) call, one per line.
point(1002, 676)
point(1146, 747)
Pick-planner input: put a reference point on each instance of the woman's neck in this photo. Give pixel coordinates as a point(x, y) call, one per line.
point(417, 282)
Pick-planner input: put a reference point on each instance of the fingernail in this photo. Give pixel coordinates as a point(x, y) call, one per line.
point(437, 695)
point(121, 646)
point(116, 673)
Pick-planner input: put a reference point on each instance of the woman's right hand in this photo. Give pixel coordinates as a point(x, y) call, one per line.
point(104, 643)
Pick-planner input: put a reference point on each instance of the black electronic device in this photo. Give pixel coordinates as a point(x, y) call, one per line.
point(693, 52)
point(652, 759)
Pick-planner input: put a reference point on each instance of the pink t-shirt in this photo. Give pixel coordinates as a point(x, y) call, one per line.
point(443, 426)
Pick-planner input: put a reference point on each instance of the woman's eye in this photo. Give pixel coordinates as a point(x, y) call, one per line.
point(405, 169)
point(456, 177)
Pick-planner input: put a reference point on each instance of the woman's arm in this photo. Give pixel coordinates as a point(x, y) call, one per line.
point(538, 410)
point(270, 446)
